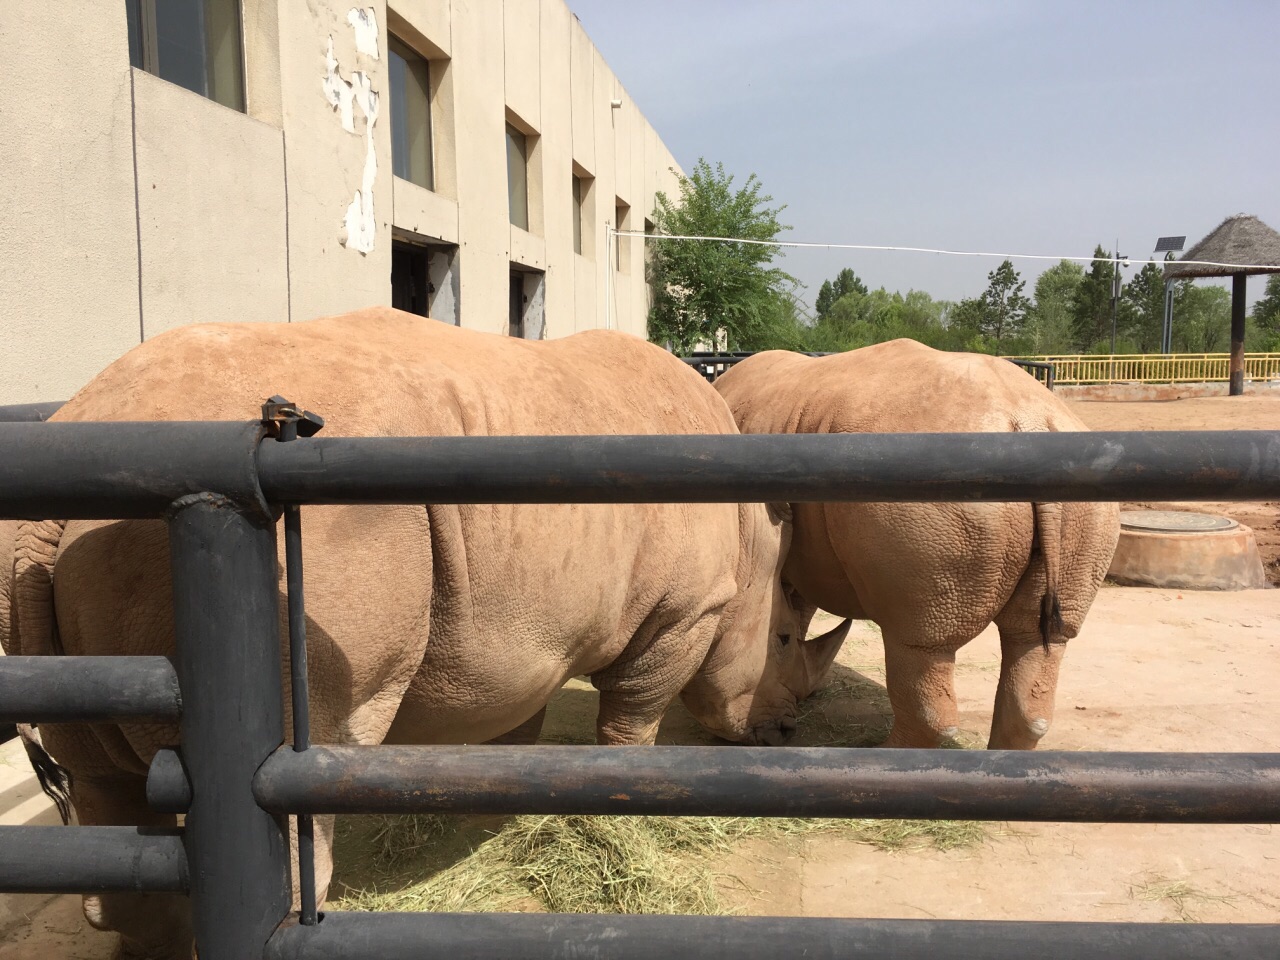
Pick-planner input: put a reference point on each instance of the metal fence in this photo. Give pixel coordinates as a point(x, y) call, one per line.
point(221, 487)
point(711, 364)
point(1157, 368)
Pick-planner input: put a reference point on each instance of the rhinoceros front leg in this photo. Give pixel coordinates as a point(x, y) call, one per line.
point(922, 692)
point(524, 735)
point(659, 662)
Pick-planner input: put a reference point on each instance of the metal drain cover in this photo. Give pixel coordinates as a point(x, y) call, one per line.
point(1174, 521)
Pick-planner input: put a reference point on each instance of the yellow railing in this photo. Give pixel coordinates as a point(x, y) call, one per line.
point(1157, 367)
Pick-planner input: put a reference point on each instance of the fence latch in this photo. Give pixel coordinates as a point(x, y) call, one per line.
point(287, 422)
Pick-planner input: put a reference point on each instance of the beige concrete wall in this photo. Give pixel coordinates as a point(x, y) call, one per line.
point(69, 244)
point(325, 162)
point(286, 212)
point(210, 210)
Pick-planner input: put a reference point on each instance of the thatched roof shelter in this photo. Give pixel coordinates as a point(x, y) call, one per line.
point(1243, 242)
point(1240, 246)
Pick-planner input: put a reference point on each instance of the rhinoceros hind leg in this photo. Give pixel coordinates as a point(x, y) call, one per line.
point(1028, 683)
point(151, 925)
point(922, 693)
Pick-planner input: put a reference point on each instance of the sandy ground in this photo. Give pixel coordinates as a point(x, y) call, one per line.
point(1153, 670)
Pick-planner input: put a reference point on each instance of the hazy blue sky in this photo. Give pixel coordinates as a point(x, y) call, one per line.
point(1026, 127)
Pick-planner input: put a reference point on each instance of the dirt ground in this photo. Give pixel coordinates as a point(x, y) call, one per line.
point(1161, 670)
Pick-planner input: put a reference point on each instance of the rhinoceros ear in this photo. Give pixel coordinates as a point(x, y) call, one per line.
point(779, 512)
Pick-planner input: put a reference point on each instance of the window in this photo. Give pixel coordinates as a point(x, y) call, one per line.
point(527, 317)
point(193, 43)
point(579, 190)
point(622, 245)
point(424, 279)
point(410, 115)
point(518, 177)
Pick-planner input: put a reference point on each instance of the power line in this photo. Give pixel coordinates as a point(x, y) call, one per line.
point(1125, 261)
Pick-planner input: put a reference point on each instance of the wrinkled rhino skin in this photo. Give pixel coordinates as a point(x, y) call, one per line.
point(935, 575)
point(426, 624)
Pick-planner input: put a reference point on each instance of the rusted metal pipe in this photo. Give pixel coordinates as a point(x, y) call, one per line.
point(776, 782)
point(1014, 467)
point(91, 860)
point(497, 936)
point(119, 471)
point(88, 689)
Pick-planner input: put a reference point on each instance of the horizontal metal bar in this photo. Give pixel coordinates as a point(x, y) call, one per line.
point(498, 936)
point(776, 782)
point(91, 689)
point(1189, 465)
point(114, 471)
point(29, 412)
point(91, 860)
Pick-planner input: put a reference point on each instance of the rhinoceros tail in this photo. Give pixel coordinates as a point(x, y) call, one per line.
point(54, 779)
point(1048, 537)
point(34, 633)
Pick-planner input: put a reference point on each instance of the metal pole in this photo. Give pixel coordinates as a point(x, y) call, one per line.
point(90, 689)
point(1238, 297)
point(91, 860)
point(1115, 300)
point(770, 782)
point(226, 615)
point(904, 467)
point(470, 936)
point(1166, 343)
point(301, 706)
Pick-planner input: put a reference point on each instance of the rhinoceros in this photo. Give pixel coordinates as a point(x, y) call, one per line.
point(935, 575)
point(431, 624)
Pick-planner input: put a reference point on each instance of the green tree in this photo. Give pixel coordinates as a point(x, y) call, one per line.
point(1050, 322)
point(1266, 313)
point(1004, 305)
point(1091, 310)
point(1201, 318)
point(966, 320)
point(783, 326)
point(716, 292)
point(845, 283)
point(1143, 305)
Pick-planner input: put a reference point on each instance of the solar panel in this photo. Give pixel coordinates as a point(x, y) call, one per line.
point(1170, 243)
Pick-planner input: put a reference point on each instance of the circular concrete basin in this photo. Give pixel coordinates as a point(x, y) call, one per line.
point(1187, 551)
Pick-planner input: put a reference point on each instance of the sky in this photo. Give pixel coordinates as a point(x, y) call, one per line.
point(1021, 127)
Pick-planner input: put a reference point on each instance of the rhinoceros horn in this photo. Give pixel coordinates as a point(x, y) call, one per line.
point(820, 652)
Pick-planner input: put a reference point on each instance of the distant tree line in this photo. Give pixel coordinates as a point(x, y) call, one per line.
point(729, 296)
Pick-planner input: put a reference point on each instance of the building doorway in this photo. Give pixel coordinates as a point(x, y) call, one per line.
point(424, 279)
point(527, 293)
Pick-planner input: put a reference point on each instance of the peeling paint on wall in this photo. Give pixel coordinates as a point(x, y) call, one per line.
point(365, 24)
point(345, 96)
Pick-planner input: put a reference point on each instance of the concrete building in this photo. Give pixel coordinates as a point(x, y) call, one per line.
point(180, 161)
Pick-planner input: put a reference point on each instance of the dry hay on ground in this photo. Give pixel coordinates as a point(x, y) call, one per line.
point(579, 864)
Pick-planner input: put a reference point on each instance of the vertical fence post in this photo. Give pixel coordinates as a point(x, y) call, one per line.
point(1239, 295)
point(226, 615)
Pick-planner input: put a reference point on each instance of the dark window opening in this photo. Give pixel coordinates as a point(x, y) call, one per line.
point(622, 245)
point(424, 279)
point(409, 278)
point(193, 43)
point(411, 141)
point(527, 317)
point(518, 177)
point(578, 192)
point(515, 325)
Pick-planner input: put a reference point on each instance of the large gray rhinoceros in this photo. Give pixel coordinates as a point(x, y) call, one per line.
point(431, 624)
point(935, 575)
